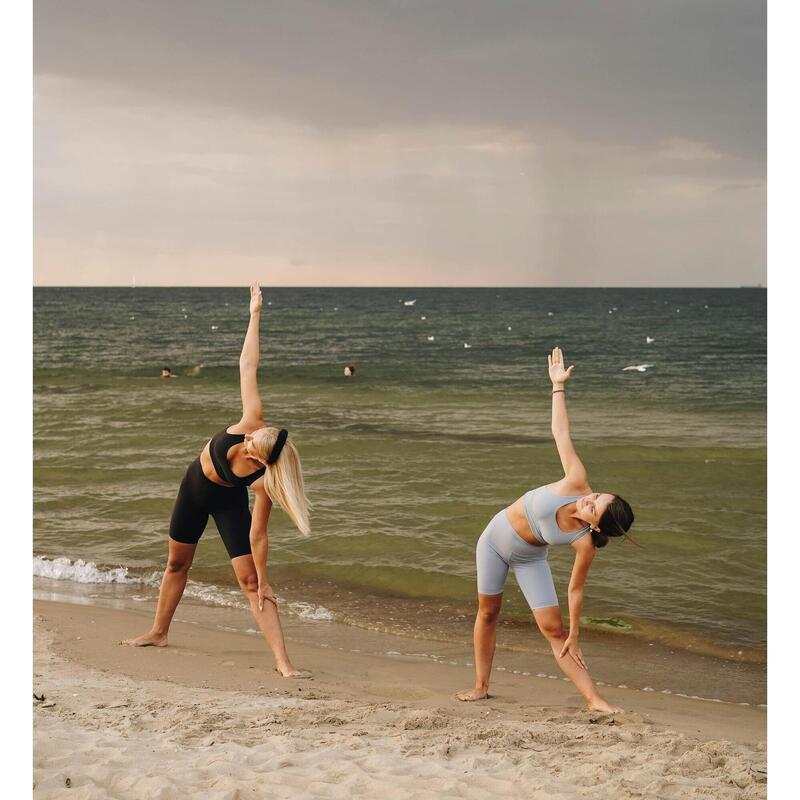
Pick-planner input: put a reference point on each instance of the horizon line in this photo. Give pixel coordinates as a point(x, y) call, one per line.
point(367, 286)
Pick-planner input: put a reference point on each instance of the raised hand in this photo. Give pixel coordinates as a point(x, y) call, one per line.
point(555, 367)
point(255, 297)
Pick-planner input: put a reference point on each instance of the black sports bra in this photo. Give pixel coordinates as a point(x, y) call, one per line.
point(218, 449)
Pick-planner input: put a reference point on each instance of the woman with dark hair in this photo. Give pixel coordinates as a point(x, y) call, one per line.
point(518, 537)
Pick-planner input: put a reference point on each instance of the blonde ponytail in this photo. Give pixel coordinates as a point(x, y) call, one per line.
point(283, 480)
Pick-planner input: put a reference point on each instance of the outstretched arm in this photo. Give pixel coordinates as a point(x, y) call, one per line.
point(584, 555)
point(259, 542)
point(252, 409)
point(574, 470)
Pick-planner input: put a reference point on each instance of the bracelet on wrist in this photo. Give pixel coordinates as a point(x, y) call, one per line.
point(556, 391)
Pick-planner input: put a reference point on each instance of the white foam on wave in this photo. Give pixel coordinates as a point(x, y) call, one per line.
point(80, 571)
point(309, 611)
point(232, 598)
point(212, 595)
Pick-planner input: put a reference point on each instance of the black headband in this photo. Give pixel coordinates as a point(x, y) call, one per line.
point(279, 443)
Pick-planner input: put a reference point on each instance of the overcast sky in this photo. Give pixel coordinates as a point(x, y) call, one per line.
point(396, 142)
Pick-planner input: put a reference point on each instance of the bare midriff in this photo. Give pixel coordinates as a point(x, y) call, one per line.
point(519, 522)
point(207, 465)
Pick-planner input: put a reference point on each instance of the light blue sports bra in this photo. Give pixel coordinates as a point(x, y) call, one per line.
point(540, 508)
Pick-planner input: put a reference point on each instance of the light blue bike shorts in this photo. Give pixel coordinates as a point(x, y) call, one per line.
point(501, 547)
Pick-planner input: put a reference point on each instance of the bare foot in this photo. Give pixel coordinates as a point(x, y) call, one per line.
point(291, 672)
point(472, 694)
point(147, 640)
point(602, 705)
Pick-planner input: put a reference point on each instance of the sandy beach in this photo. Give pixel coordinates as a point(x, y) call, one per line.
point(369, 299)
point(207, 716)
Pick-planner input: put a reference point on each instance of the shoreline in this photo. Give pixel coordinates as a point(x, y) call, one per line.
point(627, 659)
point(95, 644)
point(208, 714)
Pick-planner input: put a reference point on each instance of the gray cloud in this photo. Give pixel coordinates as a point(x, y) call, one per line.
point(611, 68)
point(369, 142)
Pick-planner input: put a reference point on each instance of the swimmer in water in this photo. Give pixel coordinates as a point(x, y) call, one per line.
point(565, 512)
point(168, 373)
point(349, 371)
point(247, 454)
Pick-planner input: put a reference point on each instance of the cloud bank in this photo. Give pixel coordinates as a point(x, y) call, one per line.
point(400, 143)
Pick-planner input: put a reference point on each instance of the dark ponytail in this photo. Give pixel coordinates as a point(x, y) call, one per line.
point(616, 521)
point(599, 538)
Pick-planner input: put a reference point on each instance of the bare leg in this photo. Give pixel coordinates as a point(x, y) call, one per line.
point(172, 585)
point(266, 618)
point(484, 637)
point(549, 622)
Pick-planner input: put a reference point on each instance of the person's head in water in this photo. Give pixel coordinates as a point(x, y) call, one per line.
point(166, 372)
point(349, 370)
point(283, 479)
point(609, 515)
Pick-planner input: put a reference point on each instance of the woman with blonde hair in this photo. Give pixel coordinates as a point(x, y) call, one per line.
point(215, 484)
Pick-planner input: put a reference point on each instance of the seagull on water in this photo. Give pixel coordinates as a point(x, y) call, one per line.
point(431, 338)
point(467, 346)
point(638, 367)
point(650, 339)
point(409, 302)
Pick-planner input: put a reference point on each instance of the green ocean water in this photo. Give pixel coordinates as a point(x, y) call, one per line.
point(407, 462)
